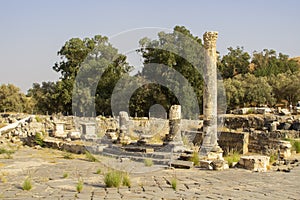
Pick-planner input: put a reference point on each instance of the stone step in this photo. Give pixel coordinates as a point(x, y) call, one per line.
point(154, 155)
point(138, 159)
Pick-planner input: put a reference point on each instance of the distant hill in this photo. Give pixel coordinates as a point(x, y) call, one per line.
point(297, 59)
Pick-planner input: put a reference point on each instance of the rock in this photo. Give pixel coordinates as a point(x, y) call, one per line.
point(219, 165)
point(206, 164)
point(285, 112)
point(74, 135)
point(181, 164)
point(255, 163)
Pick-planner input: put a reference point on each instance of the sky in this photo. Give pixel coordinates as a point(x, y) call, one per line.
point(33, 31)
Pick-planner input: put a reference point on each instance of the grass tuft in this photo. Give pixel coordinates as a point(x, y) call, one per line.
point(65, 175)
point(174, 183)
point(148, 162)
point(232, 157)
point(90, 157)
point(68, 155)
point(27, 184)
point(79, 185)
point(116, 178)
point(195, 158)
point(126, 180)
point(98, 171)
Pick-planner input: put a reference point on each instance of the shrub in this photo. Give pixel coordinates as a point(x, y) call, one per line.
point(126, 180)
point(39, 139)
point(195, 158)
point(232, 157)
point(65, 175)
point(113, 179)
point(148, 162)
point(68, 155)
point(38, 119)
point(5, 151)
point(296, 146)
point(79, 185)
point(98, 171)
point(27, 184)
point(174, 183)
point(90, 157)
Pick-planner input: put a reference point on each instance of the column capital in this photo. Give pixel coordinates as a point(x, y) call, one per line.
point(210, 39)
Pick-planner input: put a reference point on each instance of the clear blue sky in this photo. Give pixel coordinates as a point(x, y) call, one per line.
point(32, 31)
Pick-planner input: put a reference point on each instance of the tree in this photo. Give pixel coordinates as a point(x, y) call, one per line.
point(267, 63)
point(235, 62)
point(45, 97)
point(13, 100)
point(183, 52)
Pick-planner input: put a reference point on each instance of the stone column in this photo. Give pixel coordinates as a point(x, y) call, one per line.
point(123, 125)
point(175, 124)
point(210, 140)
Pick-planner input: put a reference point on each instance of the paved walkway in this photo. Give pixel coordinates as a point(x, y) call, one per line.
point(46, 168)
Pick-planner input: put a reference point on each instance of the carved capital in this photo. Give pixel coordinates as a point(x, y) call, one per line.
point(210, 39)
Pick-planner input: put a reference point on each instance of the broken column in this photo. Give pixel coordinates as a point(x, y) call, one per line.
point(174, 124)
point(210, 139)
point(123, 127)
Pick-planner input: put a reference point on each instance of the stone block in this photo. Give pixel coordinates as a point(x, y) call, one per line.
point(182, 164)
point(206, 164)
point(255, 163)
point(74, 135)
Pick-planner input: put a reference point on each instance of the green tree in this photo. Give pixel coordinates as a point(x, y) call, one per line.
point(267, 63)
point(181, 51)
point(235, 62)
point(13, 100)
point(45, 97)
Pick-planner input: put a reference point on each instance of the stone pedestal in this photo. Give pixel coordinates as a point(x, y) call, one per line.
point(59, 130)
point(89, 131)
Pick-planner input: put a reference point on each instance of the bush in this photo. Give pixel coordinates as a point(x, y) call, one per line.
point(113, 179)
point(7, 152)
point(98, 171)
point(174, 183)
point(195, 158)
point(68, 155)
point(296, 146)
point(27, 184)
point(65, 175)
point(126, 180)
point(38, 119)
point(79, 185)
point(90, 157)
point(39, 139)
point(148, 162)
point(232, 157)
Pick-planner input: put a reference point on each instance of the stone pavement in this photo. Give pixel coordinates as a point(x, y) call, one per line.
point(46, 168)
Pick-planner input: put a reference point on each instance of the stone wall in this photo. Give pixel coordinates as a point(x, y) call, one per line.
point(232, 141)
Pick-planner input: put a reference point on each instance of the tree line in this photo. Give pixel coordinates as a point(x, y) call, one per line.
point(263, 78)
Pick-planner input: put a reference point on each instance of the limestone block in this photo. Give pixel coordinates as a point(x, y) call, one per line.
point(255, 163)
point(206, 164)
point(74, 135)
